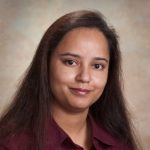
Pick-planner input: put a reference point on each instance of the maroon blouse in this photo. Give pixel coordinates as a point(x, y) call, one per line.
point(57, 139)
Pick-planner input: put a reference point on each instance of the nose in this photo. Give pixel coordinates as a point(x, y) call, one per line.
point(84, 75)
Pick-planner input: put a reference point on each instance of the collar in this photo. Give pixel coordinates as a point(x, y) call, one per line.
point(99, 133)
point(56, 136)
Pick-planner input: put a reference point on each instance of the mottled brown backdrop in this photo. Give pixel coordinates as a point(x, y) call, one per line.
point(23, 22)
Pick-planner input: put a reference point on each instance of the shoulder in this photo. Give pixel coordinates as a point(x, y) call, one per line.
point(103, 136)
point(22, 141)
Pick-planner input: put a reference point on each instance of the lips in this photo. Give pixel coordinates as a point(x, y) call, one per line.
point(80, 91)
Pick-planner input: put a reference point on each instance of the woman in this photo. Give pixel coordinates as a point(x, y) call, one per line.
point(71, 96)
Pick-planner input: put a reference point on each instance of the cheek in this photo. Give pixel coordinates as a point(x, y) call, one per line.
point(99, 84)
point(59, 81)
point(62, 76)
point(100, 80)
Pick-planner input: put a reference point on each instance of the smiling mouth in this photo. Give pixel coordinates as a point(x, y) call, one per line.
point(79, 91)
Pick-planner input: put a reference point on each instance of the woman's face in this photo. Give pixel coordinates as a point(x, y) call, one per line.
point(79, 69)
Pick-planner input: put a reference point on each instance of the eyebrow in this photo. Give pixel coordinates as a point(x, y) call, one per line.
point(100, 58)
point(70, 54)
point(78, 56)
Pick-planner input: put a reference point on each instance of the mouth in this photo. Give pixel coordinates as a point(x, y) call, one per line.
point(80, 91)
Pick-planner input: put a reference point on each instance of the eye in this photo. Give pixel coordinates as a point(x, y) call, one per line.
point(70, 62)
point(98, 66)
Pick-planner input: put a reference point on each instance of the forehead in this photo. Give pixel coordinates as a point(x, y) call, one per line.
point(84, 41)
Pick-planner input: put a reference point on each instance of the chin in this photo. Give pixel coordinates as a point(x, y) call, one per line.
point(80, 107)
point(78, 110)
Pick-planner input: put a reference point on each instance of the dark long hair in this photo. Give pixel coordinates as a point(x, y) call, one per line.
point(30, 107)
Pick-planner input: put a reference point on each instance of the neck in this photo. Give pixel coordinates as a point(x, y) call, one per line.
point(74, 124)
point(70, 122)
